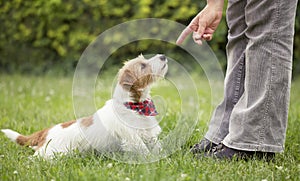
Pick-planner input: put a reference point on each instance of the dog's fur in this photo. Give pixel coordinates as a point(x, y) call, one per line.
point(113, 127)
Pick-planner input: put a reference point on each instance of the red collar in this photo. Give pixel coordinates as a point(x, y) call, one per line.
point(146, 108)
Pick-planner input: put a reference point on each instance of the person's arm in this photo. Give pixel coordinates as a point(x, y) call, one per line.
point(204, 23)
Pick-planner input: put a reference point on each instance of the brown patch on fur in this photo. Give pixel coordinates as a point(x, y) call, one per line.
point(86, 122)
point(138, 86)
point(36, 139)
point(135, 76)
point(67, 124)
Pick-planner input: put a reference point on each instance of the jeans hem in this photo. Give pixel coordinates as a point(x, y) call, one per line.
point(213, 139)
point(253, 147)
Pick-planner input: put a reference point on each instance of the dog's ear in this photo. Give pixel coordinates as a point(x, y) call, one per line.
point(141, 56)
point(126, 80)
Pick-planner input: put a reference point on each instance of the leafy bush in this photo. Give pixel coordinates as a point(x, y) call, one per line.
point(39, 35)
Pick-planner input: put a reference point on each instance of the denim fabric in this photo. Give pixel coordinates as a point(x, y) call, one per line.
point(253, 115)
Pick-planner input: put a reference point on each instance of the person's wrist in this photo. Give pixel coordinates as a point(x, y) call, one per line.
point(216, 4)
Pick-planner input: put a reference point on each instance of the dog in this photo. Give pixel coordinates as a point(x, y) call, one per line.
point(126, 123)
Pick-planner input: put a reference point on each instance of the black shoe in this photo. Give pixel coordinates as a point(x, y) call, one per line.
point(203, 146)
point(223, 152)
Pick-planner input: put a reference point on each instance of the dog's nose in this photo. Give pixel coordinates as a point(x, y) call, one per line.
point(162, 57)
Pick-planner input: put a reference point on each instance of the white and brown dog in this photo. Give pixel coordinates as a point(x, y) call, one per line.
point(125, 123)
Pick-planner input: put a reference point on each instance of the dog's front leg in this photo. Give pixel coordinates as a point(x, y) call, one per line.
point(156, 148)
point(135, 145)
point(154, 145)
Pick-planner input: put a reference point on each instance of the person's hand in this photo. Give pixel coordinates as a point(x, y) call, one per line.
point(204, 23)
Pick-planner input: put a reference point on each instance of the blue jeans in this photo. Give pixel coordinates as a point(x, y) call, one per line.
point(253, 115)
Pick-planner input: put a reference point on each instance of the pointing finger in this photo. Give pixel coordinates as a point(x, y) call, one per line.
point(183, 35)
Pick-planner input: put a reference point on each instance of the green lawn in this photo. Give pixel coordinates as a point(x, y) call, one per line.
point(28, 104)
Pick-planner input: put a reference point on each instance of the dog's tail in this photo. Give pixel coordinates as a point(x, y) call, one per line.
point(31, 141)
point(12, 135)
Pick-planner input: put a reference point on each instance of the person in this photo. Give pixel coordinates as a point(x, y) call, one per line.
point(252, 118)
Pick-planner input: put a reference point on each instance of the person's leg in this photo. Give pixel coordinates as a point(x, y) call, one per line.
point(234, 79)
point(258, 121)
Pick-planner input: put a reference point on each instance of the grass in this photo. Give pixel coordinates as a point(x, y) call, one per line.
point(28, 104)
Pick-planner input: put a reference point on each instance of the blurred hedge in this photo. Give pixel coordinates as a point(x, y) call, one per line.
point(39, 35)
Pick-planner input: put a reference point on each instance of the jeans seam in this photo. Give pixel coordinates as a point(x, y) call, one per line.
point(237, 89)
point(269, 87)
point(238, 81)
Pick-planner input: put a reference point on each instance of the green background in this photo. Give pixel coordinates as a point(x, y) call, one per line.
point(49, 36)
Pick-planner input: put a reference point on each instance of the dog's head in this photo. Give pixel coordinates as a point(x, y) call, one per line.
point(137, 74)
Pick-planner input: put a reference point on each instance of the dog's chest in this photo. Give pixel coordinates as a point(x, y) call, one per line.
point(113, 125)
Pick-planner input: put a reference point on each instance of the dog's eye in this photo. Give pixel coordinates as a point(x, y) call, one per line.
point(143, 65)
